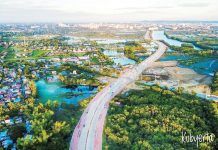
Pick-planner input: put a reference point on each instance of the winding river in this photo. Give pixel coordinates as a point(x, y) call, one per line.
point(159, 35)
point(206, 66)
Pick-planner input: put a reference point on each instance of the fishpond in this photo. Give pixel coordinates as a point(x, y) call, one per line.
point(61, 93)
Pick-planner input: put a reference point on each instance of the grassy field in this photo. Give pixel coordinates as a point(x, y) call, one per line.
point(10, 53)
point(38, 53)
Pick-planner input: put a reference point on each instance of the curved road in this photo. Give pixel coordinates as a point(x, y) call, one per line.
point(88, 133)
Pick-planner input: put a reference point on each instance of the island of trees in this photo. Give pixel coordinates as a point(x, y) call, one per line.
point(131, 48)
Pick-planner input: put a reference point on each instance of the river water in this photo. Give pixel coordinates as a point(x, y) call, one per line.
point(119, 58)
point(159, 35)
point(207, 66)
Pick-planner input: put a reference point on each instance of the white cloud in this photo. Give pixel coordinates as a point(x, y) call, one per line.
point(194, 4)
point(106, 10)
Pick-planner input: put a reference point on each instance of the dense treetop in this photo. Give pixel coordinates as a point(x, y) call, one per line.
point(154, 118)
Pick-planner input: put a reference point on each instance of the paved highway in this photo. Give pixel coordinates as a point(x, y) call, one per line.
point(88, 133)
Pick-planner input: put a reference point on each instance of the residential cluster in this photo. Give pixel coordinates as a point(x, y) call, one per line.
point(14, 85)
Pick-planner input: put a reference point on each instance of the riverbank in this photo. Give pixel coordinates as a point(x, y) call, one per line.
point(194, 42)
point(174, 77)
point(160, 35)
point(181, 77)
point(202, 61)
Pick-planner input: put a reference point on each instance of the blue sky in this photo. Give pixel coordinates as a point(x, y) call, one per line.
point(106, 10)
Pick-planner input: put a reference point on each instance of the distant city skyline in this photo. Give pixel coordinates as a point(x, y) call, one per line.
point(107, 10)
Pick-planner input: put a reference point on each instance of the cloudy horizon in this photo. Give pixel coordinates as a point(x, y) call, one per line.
point(107, 11)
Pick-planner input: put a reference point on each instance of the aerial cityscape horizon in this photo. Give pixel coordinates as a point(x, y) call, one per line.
point(118, 22)
point(108, 75)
